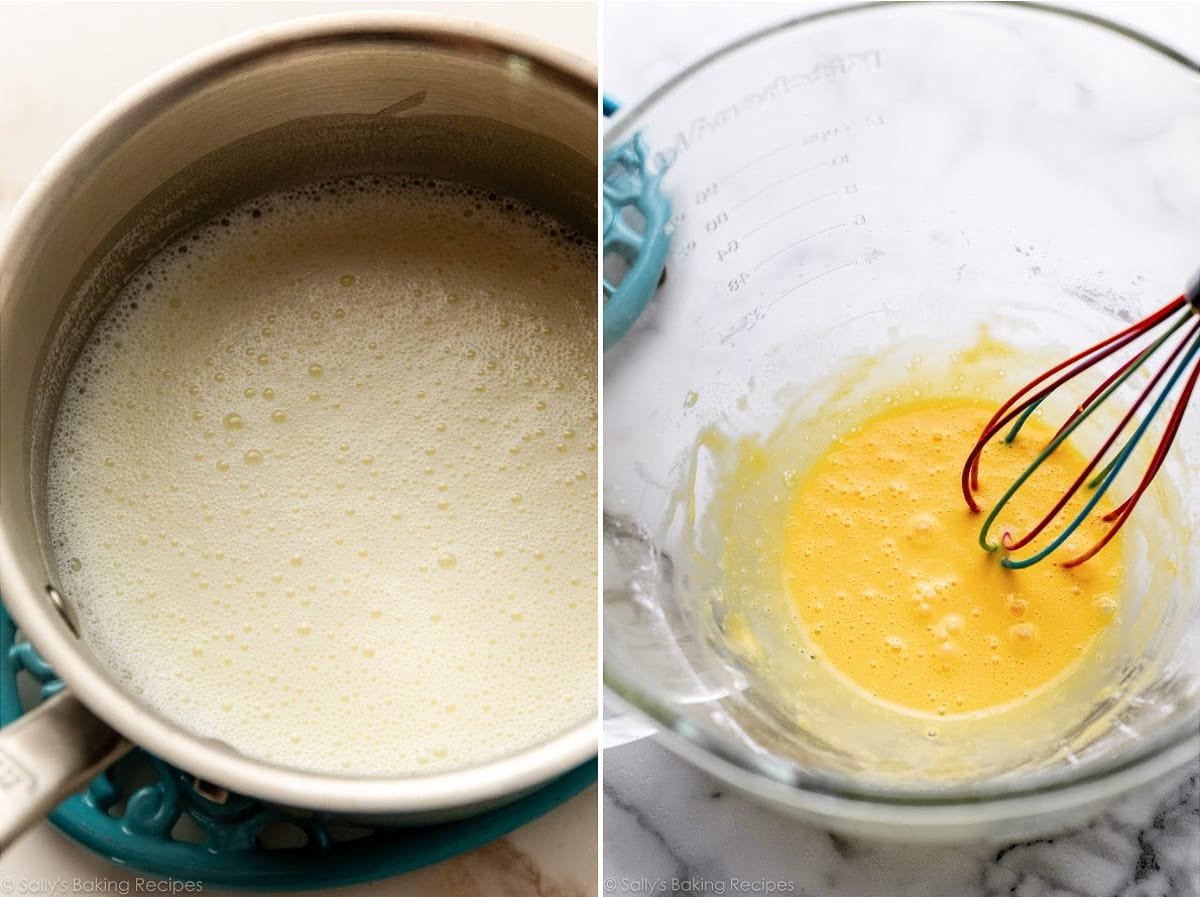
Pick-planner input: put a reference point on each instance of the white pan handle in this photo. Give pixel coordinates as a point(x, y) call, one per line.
point(47, 754)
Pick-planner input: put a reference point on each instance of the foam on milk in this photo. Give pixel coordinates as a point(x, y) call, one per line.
point(323, 482)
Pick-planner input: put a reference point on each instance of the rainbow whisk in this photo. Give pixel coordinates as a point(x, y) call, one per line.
point(1175, 330)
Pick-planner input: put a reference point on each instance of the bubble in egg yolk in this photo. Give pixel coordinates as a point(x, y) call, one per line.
point(882, 563)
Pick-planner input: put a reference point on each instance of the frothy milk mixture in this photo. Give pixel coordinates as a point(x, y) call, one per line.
point(323, 482)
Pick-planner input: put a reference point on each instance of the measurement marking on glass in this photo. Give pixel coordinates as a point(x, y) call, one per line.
point(775, 218)
point(771, 186)
point(758, 314)
point(756, 160)
point(805, 283)
point(775, 255)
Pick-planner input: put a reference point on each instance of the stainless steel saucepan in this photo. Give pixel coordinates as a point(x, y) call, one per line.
point(318, 98)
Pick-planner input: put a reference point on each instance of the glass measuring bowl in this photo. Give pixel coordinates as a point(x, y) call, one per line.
point(869, 184)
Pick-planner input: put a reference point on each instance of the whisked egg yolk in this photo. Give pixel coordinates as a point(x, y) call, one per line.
point(883, 566)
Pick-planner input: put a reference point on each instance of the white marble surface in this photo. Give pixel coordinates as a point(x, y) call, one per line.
point(669, 829)
point(667, 825)
point(59, 64)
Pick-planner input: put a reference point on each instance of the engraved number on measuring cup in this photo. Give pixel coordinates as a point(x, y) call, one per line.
point(840, 159)
point(685, 250)
point(738, 282)
point(728, 249)
point(703, 196)
point(713, 224)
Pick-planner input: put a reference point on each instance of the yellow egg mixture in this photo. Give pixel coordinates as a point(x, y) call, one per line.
point(834, 570)
point(883, 567)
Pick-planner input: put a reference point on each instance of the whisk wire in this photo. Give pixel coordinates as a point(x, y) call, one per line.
point(1012, 545)
point(1063, 434)
point(1085, 359)
point(1120, 461)
point(1121, 513)
point(1026, 401)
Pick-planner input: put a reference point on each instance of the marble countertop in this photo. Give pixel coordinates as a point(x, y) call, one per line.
point(59, 64)
point(670, 829)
